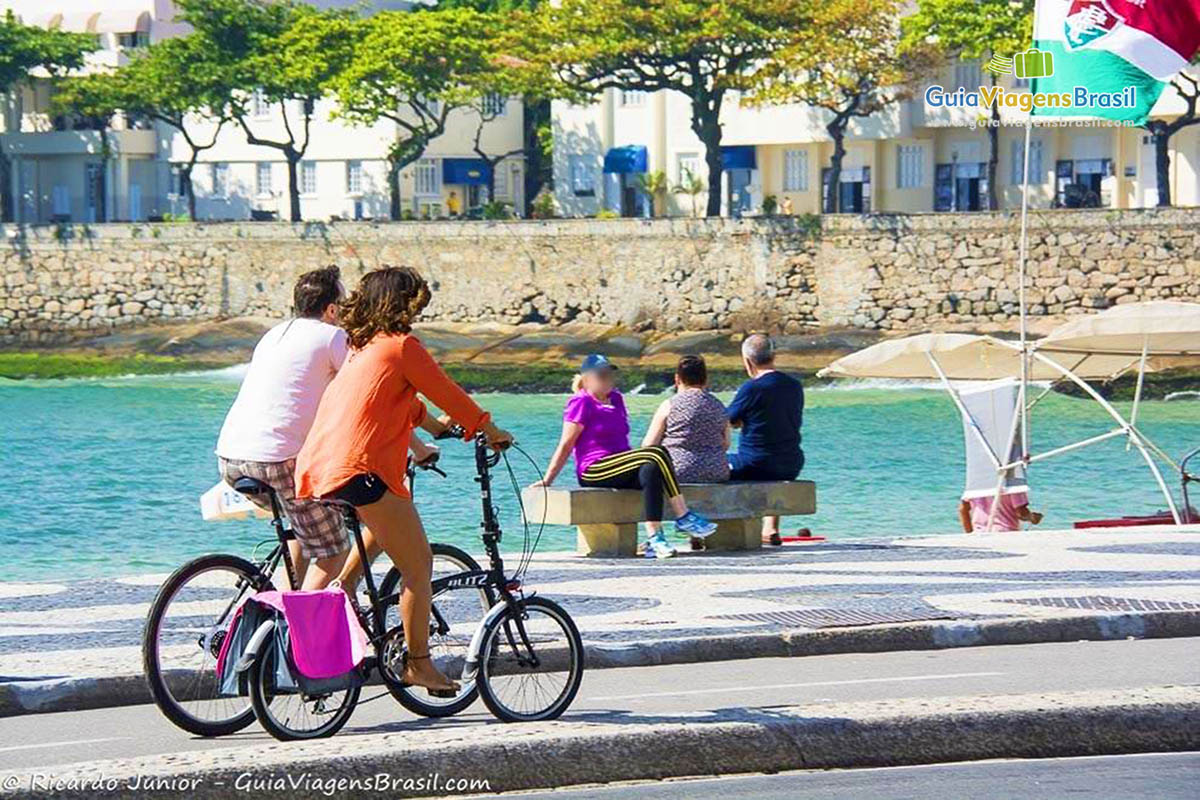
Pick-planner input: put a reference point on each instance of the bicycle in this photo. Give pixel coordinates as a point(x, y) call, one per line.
point(190, 615)
point(522, 644)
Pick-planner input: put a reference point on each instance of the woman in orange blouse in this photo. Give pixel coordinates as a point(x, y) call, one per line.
point(357, 449)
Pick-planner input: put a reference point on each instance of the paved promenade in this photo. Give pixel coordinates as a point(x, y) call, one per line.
point(56, 639)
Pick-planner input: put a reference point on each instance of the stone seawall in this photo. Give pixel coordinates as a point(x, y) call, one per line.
point(892, 273)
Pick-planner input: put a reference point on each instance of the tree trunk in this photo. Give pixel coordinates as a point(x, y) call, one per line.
point(833, 201)
point(189, 191)
point(8, 203)
point(706, 124)
point(993, 154)
point(538, 171)
point(394, 210)
point(293, 161)
point(1162, 163)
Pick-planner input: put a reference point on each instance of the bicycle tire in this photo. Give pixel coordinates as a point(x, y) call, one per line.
point(260, 700)
point(151, 662)
point(407, 696)
point(488, 693)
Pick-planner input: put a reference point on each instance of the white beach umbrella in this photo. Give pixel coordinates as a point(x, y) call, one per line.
point(1160, 327)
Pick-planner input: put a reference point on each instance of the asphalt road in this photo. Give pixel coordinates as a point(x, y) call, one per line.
point(1161, 776)
point(44, 740)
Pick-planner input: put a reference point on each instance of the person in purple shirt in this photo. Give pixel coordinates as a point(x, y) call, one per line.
point(596, 431)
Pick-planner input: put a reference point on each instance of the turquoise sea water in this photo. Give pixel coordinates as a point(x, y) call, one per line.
point(102, 477)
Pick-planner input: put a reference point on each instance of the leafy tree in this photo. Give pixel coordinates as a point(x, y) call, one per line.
point(851, 66)
point(413, 69)
point(974, 29)
point(173, 82)
point(289, 53)
point(704, 49)
point(24, 48)
point(1187, 86)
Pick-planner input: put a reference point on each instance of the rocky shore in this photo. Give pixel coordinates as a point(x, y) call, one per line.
point(502, 357)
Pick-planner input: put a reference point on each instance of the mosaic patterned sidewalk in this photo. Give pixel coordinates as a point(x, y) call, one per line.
point(92, 628)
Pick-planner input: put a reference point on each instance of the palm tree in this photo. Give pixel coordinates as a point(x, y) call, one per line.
point(653, 185)
point(691, 184)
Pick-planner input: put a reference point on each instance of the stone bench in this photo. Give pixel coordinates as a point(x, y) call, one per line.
point(607, 519)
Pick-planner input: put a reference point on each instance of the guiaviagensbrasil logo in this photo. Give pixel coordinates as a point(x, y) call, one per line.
point(1033, 63)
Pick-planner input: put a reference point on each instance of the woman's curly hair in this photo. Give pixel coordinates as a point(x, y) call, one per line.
point(386, 301)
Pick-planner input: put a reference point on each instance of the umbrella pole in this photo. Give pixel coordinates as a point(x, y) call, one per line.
point(1024, 253)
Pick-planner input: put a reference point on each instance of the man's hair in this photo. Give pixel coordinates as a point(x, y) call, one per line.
point(758, 349)
point(692, 371)
point(316, 290)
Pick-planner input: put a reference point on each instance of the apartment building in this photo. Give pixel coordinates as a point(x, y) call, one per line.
point(910, 158)
point(73, 169)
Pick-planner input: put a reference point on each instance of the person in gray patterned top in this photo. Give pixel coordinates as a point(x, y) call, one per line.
point(692, 426)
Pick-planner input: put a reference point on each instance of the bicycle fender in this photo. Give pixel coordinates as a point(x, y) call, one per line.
point(256, 642)
point(471, 667)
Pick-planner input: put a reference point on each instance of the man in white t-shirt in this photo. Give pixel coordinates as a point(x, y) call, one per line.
point(275, 407)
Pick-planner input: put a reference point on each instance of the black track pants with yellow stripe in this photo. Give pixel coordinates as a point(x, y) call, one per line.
point(646, 468)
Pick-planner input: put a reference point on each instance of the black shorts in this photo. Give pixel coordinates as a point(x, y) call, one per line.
point(361, 490)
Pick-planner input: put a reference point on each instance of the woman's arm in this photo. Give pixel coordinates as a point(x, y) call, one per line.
point(427, 376)
point(727, 436)
point(964, 516)
point(570, 433)
point(658, 425)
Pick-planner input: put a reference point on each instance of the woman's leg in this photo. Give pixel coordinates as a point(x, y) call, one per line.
point(397, 528)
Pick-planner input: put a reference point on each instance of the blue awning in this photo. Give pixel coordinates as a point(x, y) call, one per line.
point(468, 171)
point(739, 156)
point(624, 160)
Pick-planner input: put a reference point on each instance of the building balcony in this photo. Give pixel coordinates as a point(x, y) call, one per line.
point(73, 143)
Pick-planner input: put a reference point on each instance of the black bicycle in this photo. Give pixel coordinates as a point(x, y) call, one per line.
point(525, 658)
point(190, 615)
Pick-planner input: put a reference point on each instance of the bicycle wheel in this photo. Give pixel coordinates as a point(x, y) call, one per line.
point(456, 615)
point(530, 662)
point(289, 714)
point(183, 635)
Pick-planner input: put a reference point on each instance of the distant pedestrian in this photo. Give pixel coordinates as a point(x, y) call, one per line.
point(769, 410)
point(976, 516)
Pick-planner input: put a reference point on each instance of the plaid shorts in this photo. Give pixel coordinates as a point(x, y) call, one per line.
point(319, 528)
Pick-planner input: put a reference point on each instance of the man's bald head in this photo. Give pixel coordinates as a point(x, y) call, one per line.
point(759, 350)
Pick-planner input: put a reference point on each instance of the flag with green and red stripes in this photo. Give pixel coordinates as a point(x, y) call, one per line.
point(1108, 46)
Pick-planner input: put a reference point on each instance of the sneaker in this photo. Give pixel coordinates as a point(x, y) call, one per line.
point(658, 547)
point(693, 524)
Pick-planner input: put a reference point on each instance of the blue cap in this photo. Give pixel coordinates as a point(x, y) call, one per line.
point(596, 362)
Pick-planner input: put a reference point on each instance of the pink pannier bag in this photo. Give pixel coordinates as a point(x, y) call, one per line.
point(317, 633)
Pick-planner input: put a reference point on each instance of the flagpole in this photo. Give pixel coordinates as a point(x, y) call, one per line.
point(1024, 251)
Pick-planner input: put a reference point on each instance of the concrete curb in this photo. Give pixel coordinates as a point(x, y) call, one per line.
point(565, 753)
point(74, 694)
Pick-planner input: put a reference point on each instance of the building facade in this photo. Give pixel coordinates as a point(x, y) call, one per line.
point(67, 169)
point(909, 158)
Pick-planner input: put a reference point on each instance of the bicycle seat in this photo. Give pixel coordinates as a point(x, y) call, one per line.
point(247, 485)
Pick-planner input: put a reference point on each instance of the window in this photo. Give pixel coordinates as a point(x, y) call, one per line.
point(308, 177)
point(633, 97)
point(686, 163)
point(1021, 83)
point(1017, 172)
point(427, 178)
point(178, 184)
point(583, 178)
point(494, 104)
point(259, 106)
point(262, 179)
point(62, 201)
point(353, 177)
point(133, 40)
point(795, 170)
point(967, 75)
point(220, 179)
point(501, 181)
point(910, 166)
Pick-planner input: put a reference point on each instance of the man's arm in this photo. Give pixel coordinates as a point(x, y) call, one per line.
point(737, 408)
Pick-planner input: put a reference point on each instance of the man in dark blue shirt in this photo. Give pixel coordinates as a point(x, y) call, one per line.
point(769, 409)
